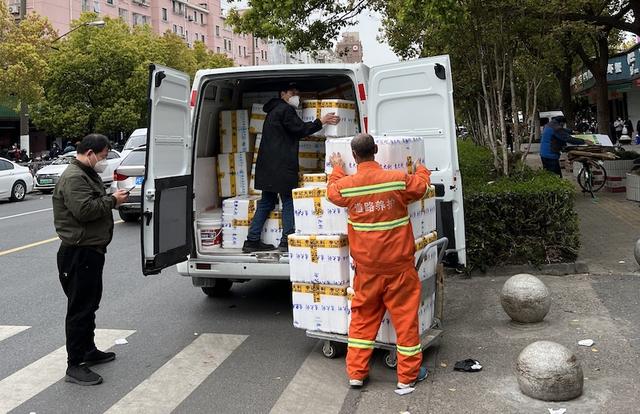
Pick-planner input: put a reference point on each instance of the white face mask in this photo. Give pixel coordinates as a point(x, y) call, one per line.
point(294, 101)
point(99, 166)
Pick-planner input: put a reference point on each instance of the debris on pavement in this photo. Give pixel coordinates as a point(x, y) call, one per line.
point(621, 261)
point(443, 364)
point(405, 412)
point(121, 341)
point(594, 349)
point(452, 389)
point(558, 411)
point(195, 334)
point(404, 391)
point(586, 342)
point(467, 365)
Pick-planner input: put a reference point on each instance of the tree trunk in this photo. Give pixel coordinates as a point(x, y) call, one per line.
point(514, 109)
point(500, 84)
point(564, 79)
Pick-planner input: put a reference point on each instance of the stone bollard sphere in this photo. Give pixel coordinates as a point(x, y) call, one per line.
point(525, 298)
point(550, 372)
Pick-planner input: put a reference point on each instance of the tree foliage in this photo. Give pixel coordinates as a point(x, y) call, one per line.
point(97, 77)
point(23, 55)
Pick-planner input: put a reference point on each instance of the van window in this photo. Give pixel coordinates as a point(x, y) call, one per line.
point(135, 141)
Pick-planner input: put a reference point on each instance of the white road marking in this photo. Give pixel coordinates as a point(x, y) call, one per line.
point(166, 388)
point(7, 331)
point(319, 386)
point(36, 377)
point(26, 214)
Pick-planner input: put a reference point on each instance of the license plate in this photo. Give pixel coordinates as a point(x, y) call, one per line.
point(139, 180)
point(46, 181)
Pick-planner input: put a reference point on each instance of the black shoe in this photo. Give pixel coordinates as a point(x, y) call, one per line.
point(82, 375)
point(256, 246)
point(284, 248)
point(98, 357)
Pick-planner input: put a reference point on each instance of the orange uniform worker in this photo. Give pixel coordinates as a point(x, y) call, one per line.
point(382, 246)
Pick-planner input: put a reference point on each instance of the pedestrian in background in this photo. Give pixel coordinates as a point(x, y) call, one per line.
point(382, 246)
point(84, 222)
point(554, 138)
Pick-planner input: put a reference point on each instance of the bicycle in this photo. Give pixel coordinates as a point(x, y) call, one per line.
point(592, 175)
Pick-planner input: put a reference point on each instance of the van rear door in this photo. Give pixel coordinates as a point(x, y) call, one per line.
point(416, 98)
point(167, 192)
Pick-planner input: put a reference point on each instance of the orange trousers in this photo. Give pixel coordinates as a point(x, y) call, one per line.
point(400, 295)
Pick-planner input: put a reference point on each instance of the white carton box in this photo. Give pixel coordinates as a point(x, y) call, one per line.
point(233, 173)
point(319, 259)
point(237, 213)
point(320, 308)
point(423, 214)
point(234, 131)
point(311, 156)
point(314, 214)
point(394, 153)
point(343, 91)
point(430, 263)
point(257, 119)
point(314, 180)
point(314, 108)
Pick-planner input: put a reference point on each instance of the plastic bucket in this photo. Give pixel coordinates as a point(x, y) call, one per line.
point(209, 232)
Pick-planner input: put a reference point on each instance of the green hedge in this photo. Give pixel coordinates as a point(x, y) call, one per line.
point(525, 218)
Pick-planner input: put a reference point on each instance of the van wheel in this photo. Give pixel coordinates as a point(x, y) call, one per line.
point(220, 288)
point(18, 191)
point(128, 217)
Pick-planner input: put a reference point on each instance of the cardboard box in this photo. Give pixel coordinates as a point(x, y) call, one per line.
point(315, 214)
point(234, 132)
point(319, 259)
point(233, 174)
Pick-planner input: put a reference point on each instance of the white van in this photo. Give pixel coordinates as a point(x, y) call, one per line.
point(405, 98)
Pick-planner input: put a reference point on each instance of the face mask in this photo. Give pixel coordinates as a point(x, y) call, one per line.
point(294, 101)
point(100, 166)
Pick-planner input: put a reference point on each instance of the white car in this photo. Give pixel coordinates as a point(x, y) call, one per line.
point(47, 177)
point(136, 139)
point(15, 180)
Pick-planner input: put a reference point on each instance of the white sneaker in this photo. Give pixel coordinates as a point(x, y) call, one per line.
point(356, 383)
point(422, 375)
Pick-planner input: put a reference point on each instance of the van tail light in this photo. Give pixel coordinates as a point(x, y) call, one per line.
point(361, 92)
point(194, 95)
point(119, 177)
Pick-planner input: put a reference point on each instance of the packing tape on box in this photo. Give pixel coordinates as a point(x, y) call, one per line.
point(316, 194)
point(424, 241)
point(317, 290)
point(338, 105)
point(313, 104)
point(314, 244)
point(242, 222)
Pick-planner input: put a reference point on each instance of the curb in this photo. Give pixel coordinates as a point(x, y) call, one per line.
point(552, 269)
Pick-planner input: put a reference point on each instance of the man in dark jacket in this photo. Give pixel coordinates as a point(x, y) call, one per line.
point(554, 138)
point(277, 165)
point(84, 222)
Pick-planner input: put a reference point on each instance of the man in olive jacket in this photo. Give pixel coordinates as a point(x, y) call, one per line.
point(84, 222)
point(277, 165)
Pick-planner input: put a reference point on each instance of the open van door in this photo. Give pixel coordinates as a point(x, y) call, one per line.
point(167, 191)
point(415, 98)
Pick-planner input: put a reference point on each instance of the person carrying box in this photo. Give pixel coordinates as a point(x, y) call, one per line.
point(382, 246)
point(277, 165)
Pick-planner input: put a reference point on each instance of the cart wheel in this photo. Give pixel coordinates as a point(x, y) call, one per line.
point(437, 323)
point(329, 349)
point(391, 359)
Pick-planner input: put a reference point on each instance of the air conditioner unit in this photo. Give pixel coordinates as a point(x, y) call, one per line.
point(190, 18)
point(14, 9)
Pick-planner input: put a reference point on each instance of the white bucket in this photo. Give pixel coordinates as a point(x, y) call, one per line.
point(209, 234)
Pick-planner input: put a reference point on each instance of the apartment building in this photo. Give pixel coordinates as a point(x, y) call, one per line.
point(193, 20)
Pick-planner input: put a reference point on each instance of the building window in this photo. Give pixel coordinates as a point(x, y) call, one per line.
point(85, 5)
point(244, 48)
point(96, 6)
point(110, 2)
point(202, 38)
point(165, 16)
point(175, 29)
point(123, 14)
point(217, 30)
point(218, 49)
point(186, 35)
point(256, 41)
point(201, 18)
point(195, 15)
point(265, 55)
point(239, 50)
point(138, 19)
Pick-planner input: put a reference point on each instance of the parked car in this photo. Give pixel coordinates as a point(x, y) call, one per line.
point(136, 139)
point(47, 177)
point(15, 181)
point(129, 176)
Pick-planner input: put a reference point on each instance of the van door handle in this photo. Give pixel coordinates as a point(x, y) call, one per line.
point(150, 195)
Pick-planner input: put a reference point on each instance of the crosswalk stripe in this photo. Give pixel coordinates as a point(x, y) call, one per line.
point(36, 377)
point(319, 386)
point(7, 331)
point(166, 388)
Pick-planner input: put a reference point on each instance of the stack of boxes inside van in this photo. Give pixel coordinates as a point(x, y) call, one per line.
point(322, 271)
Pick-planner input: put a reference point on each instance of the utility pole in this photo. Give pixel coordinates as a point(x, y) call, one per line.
point(24, 116)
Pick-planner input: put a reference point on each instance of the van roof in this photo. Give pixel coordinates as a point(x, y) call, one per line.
point(277, 68)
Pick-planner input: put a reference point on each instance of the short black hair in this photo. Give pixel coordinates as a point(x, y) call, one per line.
point(286, 87)
point(363, 145)
point(560, 119)
point(95, 142)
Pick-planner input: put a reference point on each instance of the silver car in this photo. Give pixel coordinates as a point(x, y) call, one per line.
point(129, 176)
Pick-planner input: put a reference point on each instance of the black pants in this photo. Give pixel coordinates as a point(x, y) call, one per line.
point(80, 272)
point(551, 164)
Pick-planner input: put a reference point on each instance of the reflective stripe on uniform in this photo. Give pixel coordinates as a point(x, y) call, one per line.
point(360, 343)
point(373, 189)
point(381, 225)
point(409, 350)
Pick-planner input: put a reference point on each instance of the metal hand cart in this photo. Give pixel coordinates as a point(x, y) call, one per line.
point(331, 349)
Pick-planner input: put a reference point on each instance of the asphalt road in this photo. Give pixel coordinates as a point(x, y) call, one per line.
point(247, 365)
